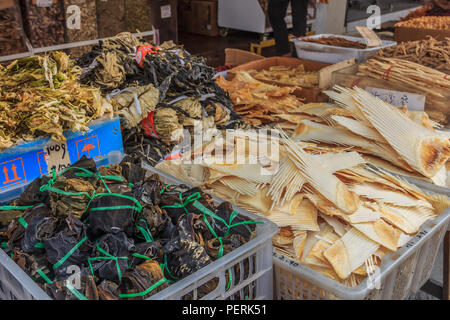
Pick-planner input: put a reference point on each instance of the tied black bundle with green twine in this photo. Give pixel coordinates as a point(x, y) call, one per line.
point(138, 262)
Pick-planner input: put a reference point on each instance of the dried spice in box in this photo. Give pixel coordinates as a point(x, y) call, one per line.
point(87, 27)
point(138, 15)
point(11, 31)
point(110, 17)
point(129, 235)
point(44, 22)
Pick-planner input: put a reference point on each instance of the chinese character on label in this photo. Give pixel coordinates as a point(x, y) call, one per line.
point(166, 12)
point(58, 157)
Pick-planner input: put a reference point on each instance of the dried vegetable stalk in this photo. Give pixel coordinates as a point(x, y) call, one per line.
point(11, 41)
point(432, 83)
point(337, 215)
point(285, 75)
point(42, 95)
point(44, 25)
point(88, 25)
point(139, 234)
point(435, 23)
point(430, 53)
point(110, 17)
point(337, 42)
point(258, 102)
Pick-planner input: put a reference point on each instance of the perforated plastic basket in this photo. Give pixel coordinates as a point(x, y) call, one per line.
point(253, 258)
point(333, 54)
point(402, 273)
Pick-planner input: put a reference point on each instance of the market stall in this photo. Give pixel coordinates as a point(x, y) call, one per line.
point(131, 169)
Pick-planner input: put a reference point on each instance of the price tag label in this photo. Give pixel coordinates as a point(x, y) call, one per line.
point(370, 36)
point(58, 157)
point(166, 11)
point(415, 102)
point(43, 3)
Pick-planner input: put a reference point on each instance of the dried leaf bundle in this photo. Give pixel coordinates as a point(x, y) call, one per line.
point(42, 95)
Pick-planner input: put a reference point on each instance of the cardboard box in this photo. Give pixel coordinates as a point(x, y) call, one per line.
point(412, 34)
point(309, 94)
point(237, 57)
point(200, 17)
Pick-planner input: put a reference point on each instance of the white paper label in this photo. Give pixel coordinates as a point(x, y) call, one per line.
point(415, 102)
point(44, 3)
point(57, 156)
point(166, 12)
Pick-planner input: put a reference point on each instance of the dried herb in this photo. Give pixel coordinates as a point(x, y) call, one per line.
point(44, 25)
point(41, 96)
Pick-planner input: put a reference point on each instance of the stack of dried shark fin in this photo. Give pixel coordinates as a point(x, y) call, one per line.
point(338, 215)
point(258, 102)
point(116, 233)
point(396, 139)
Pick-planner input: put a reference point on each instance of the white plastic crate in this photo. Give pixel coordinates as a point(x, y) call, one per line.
point(254, 257)
point(332, 54)
point(402, 273)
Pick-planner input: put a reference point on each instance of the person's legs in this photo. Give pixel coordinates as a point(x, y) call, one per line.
point(299, 16)
point(277, 12)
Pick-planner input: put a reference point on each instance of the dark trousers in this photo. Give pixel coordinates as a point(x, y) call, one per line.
point(277, 12)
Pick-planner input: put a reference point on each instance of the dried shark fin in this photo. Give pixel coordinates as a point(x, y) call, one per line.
point(421, 148)
point(349, 252)
point(380, 232)
point(241, 186)
point(406, 219)
point(316, 132)
point(340, 161)
point(373, 191)
point(359, 128)
point(321, 178)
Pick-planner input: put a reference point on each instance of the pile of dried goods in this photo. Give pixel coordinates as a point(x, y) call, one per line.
point(285, 75)
point(430, 53)
point(257, 102)
point(126, 236)
point(435, 23)
point(44, 23)
point(432, 83)
point(41, 96)
point(338, 215)
point(337, 42)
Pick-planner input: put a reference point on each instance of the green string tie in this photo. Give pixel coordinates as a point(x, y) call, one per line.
point(106, 257)
point(63, 259)
point(192, 198)
point(75, 292)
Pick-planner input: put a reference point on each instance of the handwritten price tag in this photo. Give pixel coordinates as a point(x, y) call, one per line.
point(415, 102)
point(57, 156)
point(370, 36)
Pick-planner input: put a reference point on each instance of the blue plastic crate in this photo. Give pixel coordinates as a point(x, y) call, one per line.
point(21, 164)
